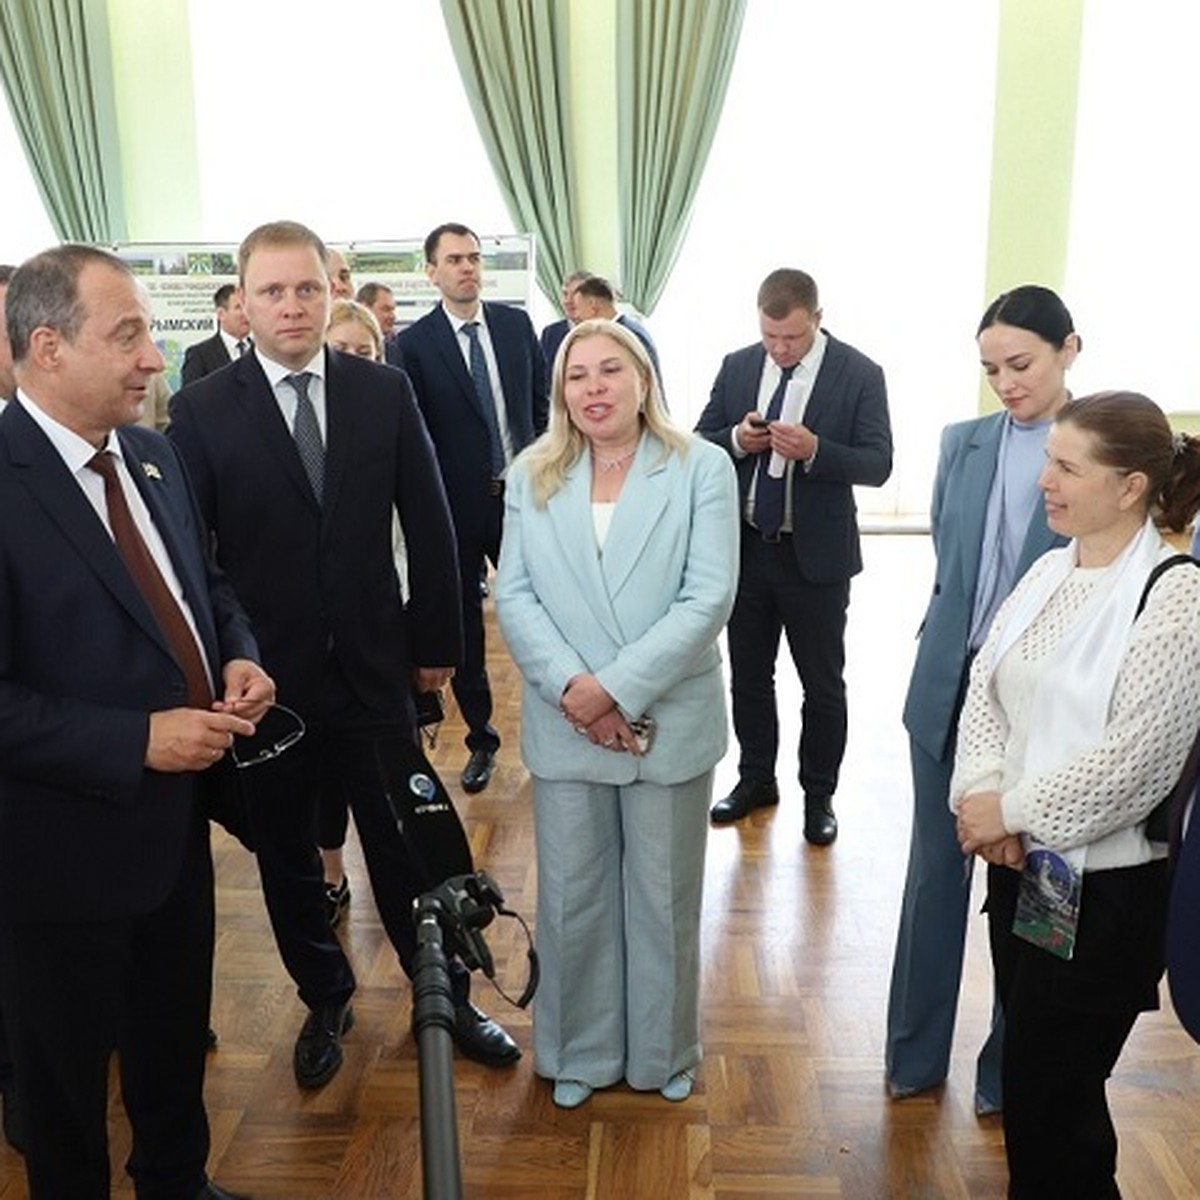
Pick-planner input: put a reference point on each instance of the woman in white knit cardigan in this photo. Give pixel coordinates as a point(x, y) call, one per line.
point(1081, 710)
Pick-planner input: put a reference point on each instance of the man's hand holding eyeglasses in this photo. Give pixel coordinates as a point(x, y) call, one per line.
point(249, 690)
point(191, 739)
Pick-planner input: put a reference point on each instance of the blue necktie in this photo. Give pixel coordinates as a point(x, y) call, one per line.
point(307, 433)
point(769, 491)
point(487, 398)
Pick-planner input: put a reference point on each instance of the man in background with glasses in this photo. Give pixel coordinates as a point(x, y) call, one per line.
point(300, 456)
point(126, 667)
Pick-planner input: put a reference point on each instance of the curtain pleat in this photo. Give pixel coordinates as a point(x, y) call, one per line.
point(513, 59)
point(674, 59)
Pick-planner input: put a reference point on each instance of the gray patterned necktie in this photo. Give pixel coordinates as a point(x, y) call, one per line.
point(307, 433)
point(487, 398)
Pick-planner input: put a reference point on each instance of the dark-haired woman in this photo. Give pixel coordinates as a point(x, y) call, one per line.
point(1082, 706)
point(988, 527)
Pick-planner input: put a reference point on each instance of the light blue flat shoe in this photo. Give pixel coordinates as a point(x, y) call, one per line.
point(678, 1087)
point(571, 1093)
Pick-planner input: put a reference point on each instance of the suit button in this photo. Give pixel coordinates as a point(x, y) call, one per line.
point(178, 689)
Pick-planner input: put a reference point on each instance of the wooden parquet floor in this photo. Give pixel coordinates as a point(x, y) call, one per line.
point(790, 1098)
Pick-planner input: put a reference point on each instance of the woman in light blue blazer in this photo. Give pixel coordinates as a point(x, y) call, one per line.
point(618, 573)
point(988, 525)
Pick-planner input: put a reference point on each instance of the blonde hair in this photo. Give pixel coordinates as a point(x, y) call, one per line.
point(342, 311)
point(562, 445)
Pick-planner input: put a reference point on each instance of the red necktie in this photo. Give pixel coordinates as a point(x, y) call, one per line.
point(151, 584)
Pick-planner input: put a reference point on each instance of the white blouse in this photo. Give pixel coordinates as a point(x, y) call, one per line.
point(1101, 797)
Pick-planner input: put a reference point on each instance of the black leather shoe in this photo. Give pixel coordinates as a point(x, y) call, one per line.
point(14, 1119)
point(318, 1053)
point(820, 825)
point(214, 1191)
point(743, 800)
point(482, 1039)
point(477, 774)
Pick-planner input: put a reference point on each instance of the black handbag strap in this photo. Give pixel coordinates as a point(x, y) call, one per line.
point(1173, 806)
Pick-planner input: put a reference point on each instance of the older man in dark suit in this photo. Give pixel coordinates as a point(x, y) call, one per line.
point(231, 340)
point(805, 418)
point(481, 384)
point(300, 457)
point(116, 633)
point(14, 1126)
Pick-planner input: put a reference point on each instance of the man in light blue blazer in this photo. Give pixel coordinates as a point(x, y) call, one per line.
point(632, 604)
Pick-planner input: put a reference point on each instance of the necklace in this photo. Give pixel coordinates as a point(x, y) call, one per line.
point(613, 464)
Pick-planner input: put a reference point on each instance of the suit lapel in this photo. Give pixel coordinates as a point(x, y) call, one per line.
point(505, 348)
point(261, 409)
point(570, 512)
point(339, 429)
point(638, 510)
point(189, 567)
point(45, 475)
point(978, 473)
point(826, 385)
point(446, 341)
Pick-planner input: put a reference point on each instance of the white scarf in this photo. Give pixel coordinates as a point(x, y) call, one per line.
point(1071, 705)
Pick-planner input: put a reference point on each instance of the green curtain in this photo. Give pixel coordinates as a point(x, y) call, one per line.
point(57, 72)
point(673, 63)
point(513, 58)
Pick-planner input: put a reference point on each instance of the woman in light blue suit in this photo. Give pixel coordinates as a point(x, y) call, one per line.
point(618, 574)
point(988, 526)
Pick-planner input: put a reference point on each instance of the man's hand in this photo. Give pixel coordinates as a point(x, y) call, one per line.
point(249, 690)
point(429, 679)
point(796, 442)
point(753, 433)
point(190, 739)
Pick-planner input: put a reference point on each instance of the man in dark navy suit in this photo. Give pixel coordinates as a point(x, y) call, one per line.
point(805, 418)
point(231, 340)
point(552, 335)
point(126, 668)
point(13, 1124)
point(481, 383)
point(301, 457)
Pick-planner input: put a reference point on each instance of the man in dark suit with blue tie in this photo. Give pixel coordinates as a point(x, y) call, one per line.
point(480, 381)
point(231, 339)
point(805, 418)
point(301, 456)
point(126, 668)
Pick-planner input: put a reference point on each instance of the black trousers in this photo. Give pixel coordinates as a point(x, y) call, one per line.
point(470, 683)
point(772, 598)
point(6, 1067)
point(1066, 1023)
point(337, 751)
point(74, 992)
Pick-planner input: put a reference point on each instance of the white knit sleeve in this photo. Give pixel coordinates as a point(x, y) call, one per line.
point(983, 728)
point(1152, 723)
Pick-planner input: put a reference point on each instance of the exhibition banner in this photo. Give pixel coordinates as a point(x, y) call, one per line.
point(182, 279)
